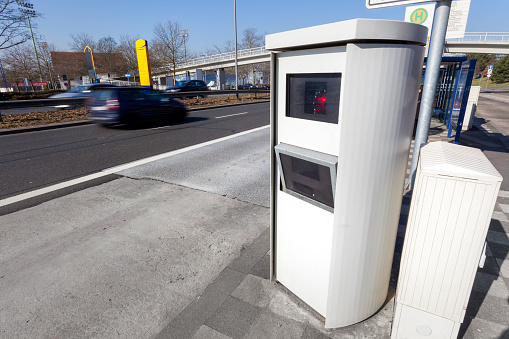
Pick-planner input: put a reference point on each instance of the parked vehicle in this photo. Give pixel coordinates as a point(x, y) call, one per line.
point(80, 91)
point(132, 105)
point(188, 86)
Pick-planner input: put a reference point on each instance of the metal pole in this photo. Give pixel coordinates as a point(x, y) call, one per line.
point(35, 49)
point(434, 60)
point(236, 61)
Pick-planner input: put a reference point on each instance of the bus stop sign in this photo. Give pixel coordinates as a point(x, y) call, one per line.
point(389, 3)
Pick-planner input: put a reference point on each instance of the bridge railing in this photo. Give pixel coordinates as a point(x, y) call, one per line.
point(484, 36)
point(223, 56)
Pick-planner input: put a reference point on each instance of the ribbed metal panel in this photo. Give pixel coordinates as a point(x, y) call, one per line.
point(380, 95)
point(448, 221)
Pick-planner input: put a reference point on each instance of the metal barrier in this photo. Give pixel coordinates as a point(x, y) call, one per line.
point(484, 36)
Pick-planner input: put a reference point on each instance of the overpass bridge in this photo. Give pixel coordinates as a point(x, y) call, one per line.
point(475, 42)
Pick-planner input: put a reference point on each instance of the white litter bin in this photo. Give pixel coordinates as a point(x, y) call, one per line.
point(454, 196)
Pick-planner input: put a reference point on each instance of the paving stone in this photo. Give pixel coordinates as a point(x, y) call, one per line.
point(501, 200)
point(405, 209)
point(504, 207)
point(262, 267)
point(504, 267)
point(499, 251)
point(273, 326)
point(206, 332)
point(485, 329)
point(403, 218)
point(313, 333)
point(498, 237)
point(490, 284)
point(398, 248)
point(255, 291)
point(499, 216)
point(234, 318)
point(252, 254)
point(187, 323)
point(486, 307)
point(490, 265)
point(499, 226)
point(289, 306)
point(503, 194)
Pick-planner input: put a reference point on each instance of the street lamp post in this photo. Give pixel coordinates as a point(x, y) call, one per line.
point(184, 34)
point(28, 11)
point(236, 60)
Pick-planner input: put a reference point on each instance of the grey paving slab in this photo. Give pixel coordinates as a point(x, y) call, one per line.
point(486, 307)
point(255, 291)
point(490, 266)
point(273, 326)
point(490, 284)
point(187, 323)
point(234, 318)
point(504, 267)
point(499, 226)
point(499, 251)
point(262, 267)
point(504, 207)
point(498, 237)
point(205, 332)
point(313, 333)
point(484, 329)
point(250, 256)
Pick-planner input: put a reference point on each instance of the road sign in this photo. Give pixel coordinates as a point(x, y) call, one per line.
point(458, 19)
point(388, 3)
point(421, 14)
point(490, 67)
point(490, 71)
point(128, 75)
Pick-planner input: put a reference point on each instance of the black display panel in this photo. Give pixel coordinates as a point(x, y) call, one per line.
point(307, 178)
point(313, 96)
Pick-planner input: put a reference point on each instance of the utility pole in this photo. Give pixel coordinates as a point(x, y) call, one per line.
point(436, 48)
point(236, 60)
point(184, 34)
point(28, 10)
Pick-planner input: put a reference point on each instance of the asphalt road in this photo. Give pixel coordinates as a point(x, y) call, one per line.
point(33, 160)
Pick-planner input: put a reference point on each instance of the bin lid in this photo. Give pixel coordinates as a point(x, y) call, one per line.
point(442, 158)
point(350, 31)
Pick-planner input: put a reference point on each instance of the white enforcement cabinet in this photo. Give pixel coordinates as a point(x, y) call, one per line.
point(454, 196)
point(343, 106)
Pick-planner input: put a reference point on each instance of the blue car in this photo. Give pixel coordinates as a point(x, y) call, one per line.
point(132, 105)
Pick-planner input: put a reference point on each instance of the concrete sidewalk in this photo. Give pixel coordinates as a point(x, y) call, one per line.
point(179, 248)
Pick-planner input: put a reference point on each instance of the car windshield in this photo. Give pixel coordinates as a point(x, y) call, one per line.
point(103, 94)
point(78, 89)
point(181, 83)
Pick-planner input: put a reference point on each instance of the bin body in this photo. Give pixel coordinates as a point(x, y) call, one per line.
point(339, 163)
point(454, 196)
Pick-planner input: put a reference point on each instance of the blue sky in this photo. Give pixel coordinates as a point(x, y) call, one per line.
point(211, 22)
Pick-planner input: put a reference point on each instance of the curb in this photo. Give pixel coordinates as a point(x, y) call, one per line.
point(18, 130)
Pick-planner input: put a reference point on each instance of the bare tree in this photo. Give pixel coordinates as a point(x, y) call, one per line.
point(20, 62)
point(45, 50)
point(106, 45)
point(168, 47)
point(251, 39)
point(13, 25)
point(80, 41)
point(127, 48)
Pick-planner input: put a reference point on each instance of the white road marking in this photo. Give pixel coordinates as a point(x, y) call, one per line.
point(231, 115)
point(113, 170)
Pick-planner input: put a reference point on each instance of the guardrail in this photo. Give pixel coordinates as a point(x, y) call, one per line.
point(40, 103)
point(80, 101)
point(484, 36)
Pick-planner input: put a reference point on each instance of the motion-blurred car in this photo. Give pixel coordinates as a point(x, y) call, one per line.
point(132, 105)
point(188, 86)
point(77, 92)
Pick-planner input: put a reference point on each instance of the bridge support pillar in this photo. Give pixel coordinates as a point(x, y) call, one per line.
point(221, 79)
point(199, 74)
